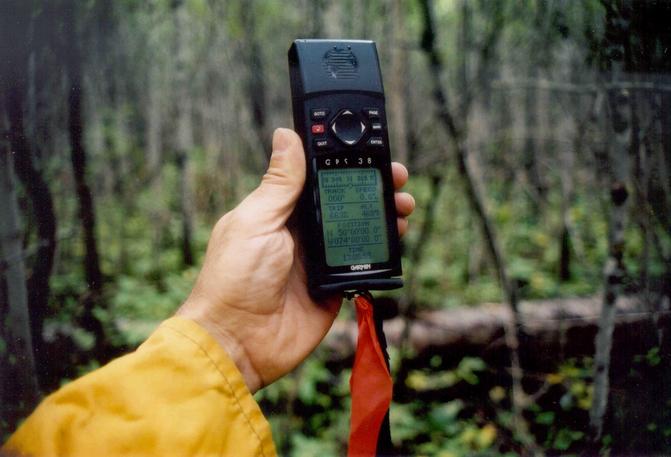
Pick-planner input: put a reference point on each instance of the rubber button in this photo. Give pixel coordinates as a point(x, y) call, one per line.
point(322, 143)
point(348, 127)
point(319, 113)
point(371, 112)
point(375, 141)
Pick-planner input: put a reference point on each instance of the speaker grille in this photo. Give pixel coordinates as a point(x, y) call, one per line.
point(341, 63)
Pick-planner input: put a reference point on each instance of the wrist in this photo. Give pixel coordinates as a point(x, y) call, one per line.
point(231, 345)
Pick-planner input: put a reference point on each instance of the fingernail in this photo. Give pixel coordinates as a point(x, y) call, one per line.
point(281, 139)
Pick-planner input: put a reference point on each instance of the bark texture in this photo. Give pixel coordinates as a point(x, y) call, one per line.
point(78, 159)
point(18, 381)
point(614, 270)
point(37, 191)
point(457, 135)
point(184, 136)
point(554, 330)
point(78, 156)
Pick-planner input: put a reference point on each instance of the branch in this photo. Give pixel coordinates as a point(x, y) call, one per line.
point(586, 88)
point(476, 200)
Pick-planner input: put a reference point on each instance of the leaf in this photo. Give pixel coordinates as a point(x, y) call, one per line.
point(404, 423)
point(486, 436)
point(545, 418)
point(566, 401)
point(417, 380)
point(554, 378)
point(565, 438)
point(304, 446)
point(446, 413)
point(497, 393)
point(652, 357)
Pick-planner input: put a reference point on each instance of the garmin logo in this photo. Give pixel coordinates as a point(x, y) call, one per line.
point(362, 267)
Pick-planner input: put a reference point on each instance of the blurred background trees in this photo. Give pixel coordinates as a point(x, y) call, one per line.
point(538, 135)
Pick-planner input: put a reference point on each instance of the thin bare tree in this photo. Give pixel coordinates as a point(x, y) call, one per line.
point(458, 134)
point(184, 132)
point(18, 381)
point(618, 160)
point(34, 185)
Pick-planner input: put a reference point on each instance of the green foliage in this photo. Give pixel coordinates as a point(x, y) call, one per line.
point(442, 431)
point(571, 389)
point(135, 81)
point(427, 379)
point(140, 300)
point(304, 446)
point(315, 426)
point(447, 276)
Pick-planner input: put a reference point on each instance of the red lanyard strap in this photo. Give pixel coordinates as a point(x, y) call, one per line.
point(371, 385)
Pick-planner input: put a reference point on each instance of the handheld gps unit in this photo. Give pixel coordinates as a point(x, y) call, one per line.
point(347, 213)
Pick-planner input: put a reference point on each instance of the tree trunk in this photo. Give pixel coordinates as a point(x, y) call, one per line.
point(18, 383)
point(314, 21)
point(530, 159)
point(21, 70)
point(186, 210)
point(184, 137)
point(255, 83)
point(45, 219)
point(566, 181)
point(407, 302)
point(78, 158)
point(153, 119)
point(661, 200)
point(398, 80)
point(475, 198)
point(614, 270)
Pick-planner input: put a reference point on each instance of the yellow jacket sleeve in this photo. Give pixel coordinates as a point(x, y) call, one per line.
point(178, 394)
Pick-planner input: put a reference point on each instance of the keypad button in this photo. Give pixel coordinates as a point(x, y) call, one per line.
point(375, 141)
point(322, 143)
point(376, 127)
point(319, 114)
point(371, 112)
point(348, 127)
point(318, 129)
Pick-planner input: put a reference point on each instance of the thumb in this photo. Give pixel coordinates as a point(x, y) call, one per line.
point(271, 204)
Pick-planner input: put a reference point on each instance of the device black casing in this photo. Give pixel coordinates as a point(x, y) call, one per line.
point(335, 75)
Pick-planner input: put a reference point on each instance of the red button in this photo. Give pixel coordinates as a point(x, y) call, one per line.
point(318, 128)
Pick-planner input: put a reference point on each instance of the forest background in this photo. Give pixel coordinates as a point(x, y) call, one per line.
point(535, 316)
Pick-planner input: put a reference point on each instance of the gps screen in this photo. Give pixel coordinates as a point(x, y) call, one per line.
point(353, 216)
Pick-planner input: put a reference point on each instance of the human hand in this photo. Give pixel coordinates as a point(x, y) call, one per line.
point(251, 294)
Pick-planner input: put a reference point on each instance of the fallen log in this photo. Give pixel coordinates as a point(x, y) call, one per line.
point(551, 331)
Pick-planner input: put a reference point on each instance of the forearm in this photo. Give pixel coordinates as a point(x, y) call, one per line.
point(178, 394)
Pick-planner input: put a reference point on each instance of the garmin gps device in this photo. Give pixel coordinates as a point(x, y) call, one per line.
point(347, 213)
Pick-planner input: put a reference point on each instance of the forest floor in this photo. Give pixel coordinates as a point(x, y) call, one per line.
point(567, 324)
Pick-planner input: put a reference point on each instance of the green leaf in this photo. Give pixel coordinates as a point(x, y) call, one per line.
point(652, 357)
point(565, 438)
point(545, 418)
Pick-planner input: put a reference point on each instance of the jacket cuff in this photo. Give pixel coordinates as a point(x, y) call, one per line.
point(232, 379)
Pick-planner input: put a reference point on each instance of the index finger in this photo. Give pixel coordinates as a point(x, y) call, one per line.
point(399, 174)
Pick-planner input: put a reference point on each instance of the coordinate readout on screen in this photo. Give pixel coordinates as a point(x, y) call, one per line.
point(353, 216)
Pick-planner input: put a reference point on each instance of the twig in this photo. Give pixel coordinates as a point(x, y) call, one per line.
point(586, 88)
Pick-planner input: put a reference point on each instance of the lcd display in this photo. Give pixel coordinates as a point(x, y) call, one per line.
point(353, 216)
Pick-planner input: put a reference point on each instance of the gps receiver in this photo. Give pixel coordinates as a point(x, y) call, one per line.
point(347, 214)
